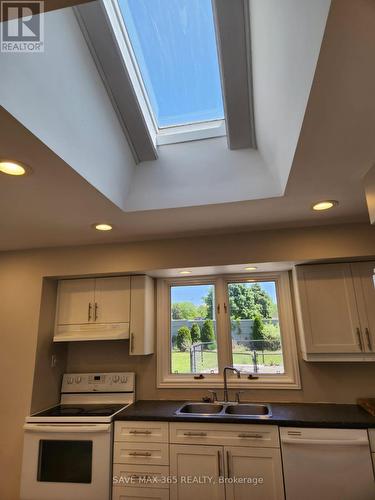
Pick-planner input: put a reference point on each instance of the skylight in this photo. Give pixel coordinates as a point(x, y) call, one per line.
point(175, 47)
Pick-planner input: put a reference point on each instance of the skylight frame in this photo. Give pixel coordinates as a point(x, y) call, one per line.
point(160, 135)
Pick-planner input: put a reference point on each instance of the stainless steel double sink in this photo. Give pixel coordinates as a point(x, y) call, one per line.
point(245, 410)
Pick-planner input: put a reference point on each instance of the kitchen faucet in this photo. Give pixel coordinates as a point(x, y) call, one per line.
point(233, 369)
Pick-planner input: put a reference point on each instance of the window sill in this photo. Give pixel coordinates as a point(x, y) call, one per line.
point(215, 382)
point(193, 132)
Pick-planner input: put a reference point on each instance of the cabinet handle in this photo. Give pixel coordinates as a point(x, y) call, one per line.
point(197, 434)
point(96, 311)
point(225, 308)
point(140, 432)
point(137, 454)
point(228, 464)
point(250, 436)
point(368, 339)
point(219, 463)
point(131, 342)
point(89, 312)
point(359, 339)
point(218, 308)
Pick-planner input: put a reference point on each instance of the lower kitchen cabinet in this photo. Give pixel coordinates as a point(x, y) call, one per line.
point(197, 461)
point(253, 473)
point(197, 469)
point(226, 472)
point(126, 493)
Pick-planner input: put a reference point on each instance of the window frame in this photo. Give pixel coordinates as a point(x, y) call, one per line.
point(290, 379)
point(161, 135)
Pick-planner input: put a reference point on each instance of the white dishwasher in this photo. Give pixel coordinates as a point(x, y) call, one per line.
point(327, 464)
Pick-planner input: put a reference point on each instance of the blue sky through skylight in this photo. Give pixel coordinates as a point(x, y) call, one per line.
point(175, 46)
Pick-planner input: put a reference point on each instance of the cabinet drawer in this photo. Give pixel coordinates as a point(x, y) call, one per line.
point(141, 453)
point(141, 432)
point(142, 493)
point(140, 476)
point(224, 434)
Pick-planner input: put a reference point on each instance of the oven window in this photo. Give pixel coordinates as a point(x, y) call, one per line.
point(65, 461)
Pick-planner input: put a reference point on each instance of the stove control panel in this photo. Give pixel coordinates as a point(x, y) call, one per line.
point(98, 382)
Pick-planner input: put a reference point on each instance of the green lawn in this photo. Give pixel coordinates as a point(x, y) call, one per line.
point(181, 360)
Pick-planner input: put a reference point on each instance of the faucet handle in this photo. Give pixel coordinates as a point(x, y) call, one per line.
point(251, 376)
point(238, 396)
point(213, 395)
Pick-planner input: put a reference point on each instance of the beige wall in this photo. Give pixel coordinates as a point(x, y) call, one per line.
point(21, 286)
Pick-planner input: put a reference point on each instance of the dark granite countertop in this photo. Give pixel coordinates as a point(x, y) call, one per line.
point(283, 414)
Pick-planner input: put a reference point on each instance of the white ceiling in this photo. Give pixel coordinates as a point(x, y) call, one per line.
point(56, 206)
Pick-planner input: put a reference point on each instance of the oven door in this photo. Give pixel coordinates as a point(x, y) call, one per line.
point(66, 462)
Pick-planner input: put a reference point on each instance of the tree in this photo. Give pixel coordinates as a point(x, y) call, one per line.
point(263, 301)
point(195, 333)
point(202, 311)
point(183, 340)
point(258, 328)
point(184, 310)
point(209, 301)
point(248, 301)
point(208, 332)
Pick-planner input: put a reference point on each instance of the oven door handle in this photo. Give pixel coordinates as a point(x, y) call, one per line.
point(68, 428)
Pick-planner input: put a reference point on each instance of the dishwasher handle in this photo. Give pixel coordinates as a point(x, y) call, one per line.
point(328, 442)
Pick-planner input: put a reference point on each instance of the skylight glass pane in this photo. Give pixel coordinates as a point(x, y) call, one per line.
point(175, 46)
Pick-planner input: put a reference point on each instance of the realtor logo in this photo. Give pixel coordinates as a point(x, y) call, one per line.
point(23, 29)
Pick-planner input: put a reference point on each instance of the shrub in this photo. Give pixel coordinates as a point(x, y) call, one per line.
point(195, 333)
point(258, 328)
point(174, 339)
point(208, 334)
point(272, 336)
point(183, 340)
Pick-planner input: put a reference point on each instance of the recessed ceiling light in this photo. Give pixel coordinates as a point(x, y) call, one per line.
point(103, 227)
point(13, 168)
point(251, 268)
point(324, 205)
point(186, 272)
point(251, 281)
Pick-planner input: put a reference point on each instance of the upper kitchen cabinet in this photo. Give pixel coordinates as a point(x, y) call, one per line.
point(112, 300)
point(75, 302)
point(107, 309)
point(364, 284)
point(142, 314)
point(335, 311)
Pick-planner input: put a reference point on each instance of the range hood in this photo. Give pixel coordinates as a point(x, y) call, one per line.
point(92, 331)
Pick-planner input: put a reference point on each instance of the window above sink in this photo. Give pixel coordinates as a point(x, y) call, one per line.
point(245, 321)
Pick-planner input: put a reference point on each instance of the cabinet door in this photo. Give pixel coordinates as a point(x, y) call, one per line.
point(112, 300)
point(142, 315)
point(364, 281)
point(328, 309)
point(197, 469)
point(75, 302)
point(253, 473)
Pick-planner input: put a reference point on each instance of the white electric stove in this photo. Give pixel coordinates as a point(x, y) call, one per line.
point(68, 447)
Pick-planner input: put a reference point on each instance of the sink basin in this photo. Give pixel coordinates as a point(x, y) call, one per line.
point(248, 409)
point(201, 408)
point(226, 409)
